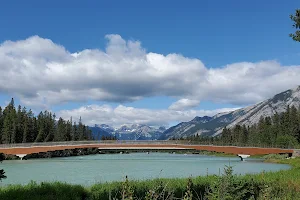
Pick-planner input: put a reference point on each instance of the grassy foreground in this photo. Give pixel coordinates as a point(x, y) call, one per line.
point(270, 185)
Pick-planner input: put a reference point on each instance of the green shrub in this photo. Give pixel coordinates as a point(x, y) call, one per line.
point(276, 156)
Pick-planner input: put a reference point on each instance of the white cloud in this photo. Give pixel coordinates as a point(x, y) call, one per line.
point(105, 114)
point(41, 72)
point(183, 104)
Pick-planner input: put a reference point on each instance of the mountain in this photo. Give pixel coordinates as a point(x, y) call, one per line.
point(98, 132)
point(129, 132)
point(187, 128)
point(138, 132)
point(212, 126)
point(105, 127)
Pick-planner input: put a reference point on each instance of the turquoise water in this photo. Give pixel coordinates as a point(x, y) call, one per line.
point(87, 170)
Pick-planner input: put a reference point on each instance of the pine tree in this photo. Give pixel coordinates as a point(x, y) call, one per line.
point(33, 127)
point(73, 130)
point(244, 135)
point(51, 128)
point(25, 130)
point(9, 124)
point(22, 126)
point(19, 125)
point(6, 130)
point(81, 130)
point(40, 137)
point(296, 20)
point(294, 122)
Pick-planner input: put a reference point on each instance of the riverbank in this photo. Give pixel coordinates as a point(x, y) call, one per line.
point(270, 185)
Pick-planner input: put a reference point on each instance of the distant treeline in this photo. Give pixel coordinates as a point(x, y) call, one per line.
point(280, 130)
point(20, 126)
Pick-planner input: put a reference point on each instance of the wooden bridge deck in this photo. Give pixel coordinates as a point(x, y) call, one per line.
point(225, 149)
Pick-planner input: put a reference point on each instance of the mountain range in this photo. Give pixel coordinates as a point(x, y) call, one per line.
point(212, 126)
point(128, 132)
point(205, 126)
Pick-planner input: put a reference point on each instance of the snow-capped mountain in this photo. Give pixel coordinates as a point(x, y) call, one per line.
point(138, 132)
point(131, 131)
point(212, 126)
point(105, 127)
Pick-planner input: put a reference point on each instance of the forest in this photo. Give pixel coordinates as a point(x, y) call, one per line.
point(21, 126)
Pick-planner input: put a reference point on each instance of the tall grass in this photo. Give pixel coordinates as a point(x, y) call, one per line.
point(44, 191)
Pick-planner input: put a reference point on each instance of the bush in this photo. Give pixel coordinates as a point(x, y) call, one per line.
point(276, 156)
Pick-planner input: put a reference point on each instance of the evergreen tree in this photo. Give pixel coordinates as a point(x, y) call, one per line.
point(73, 130)
point(22, 126)
point(80, 130)
point(296, 24)
point(25, 130)
point(6, 133)
point(19, 125)
point(33, 127)
point(60, 131)
point(41, 126)
point(9, 124)
point(68, 130)
point(294, 122)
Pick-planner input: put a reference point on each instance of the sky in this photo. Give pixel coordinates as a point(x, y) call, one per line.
point(147, 62)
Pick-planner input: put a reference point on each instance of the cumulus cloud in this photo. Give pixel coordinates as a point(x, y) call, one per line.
point(41, 72)
point(105, 114)
point(183, 104)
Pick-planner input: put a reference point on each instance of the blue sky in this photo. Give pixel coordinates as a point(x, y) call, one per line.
point(217, 33)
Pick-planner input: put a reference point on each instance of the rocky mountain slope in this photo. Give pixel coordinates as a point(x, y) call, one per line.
point(98, 132)
point(212, 126)
point(129, 132)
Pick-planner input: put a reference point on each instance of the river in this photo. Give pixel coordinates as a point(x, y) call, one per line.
point(87, 170)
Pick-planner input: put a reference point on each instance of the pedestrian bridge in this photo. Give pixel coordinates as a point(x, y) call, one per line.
point(24, 149)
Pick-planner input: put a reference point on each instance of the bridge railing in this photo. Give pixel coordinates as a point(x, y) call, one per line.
point(69, 143)
point(170, 142)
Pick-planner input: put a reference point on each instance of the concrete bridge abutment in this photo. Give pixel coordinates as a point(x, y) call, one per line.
point(296, 153)
point(21, 156)
point(243, 156)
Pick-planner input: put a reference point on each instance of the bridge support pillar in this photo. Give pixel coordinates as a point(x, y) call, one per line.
point(243, 156)
point(21, 156)
point(296, 153)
